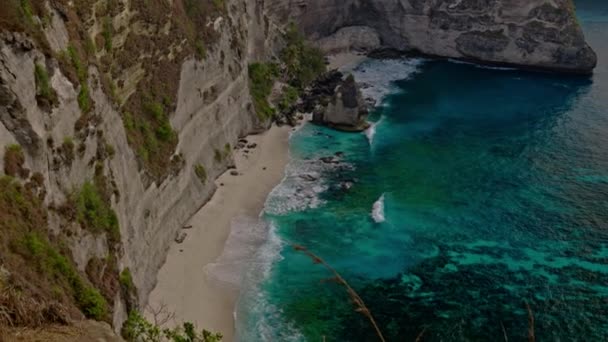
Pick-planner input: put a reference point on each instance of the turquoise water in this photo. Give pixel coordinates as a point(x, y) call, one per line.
point(481, 191)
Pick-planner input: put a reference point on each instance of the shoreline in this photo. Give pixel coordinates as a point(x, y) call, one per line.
point(183, 286)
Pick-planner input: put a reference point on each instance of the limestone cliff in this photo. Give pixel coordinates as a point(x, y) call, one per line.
point(117, 94)
point(538, 34)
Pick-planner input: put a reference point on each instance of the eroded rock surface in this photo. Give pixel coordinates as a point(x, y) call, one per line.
point(539, 34)
point(346, 109)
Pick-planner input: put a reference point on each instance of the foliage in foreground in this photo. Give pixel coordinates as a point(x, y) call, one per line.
point(137, 328)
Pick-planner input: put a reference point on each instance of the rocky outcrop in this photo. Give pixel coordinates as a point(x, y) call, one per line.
point(538, 34)
point(345, 109)
point(353, 38)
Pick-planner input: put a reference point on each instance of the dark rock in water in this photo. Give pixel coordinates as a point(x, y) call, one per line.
point(339, 154)
point(345, 185)
point(252, 145)
point(234, 173)
point(243, 141)
point(347, 111)
point(329, 160)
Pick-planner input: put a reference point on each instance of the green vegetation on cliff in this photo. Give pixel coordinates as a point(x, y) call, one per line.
point(96, 214)
point(43, 285)
point(261, 80)
point(303, 62)
point(43, 88)
point(201, 173)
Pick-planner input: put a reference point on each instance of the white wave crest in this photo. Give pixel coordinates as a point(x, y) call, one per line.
point(301, 187)
point(370, 133)
point(378, 210)
point(376, 76)
point(246, 236)
point(260, 320)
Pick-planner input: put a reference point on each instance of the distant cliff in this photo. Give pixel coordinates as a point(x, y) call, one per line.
point(537, 34)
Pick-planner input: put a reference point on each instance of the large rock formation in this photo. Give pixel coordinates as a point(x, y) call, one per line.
point(538, 34)
point(346, 110)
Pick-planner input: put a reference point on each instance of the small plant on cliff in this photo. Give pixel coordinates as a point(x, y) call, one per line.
point(126, 280)
point(108, 32)
point(288, 99)
point(95, 214)
point(14, 159)
point(261, 81)
point(84, 97)
point(137, 328)
point(201, 173)
point(43, 87)
point(66, 150)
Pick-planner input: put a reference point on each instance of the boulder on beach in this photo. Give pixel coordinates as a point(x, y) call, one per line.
point(346, 111)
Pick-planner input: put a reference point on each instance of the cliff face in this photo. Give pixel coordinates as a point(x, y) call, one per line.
point(70, 136)
point(540, 34)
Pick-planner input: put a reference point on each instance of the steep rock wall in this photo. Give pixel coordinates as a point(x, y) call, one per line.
point(213, 109)
point(540, 34)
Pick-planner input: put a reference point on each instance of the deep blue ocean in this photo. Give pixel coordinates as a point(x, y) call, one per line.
point(477, 193)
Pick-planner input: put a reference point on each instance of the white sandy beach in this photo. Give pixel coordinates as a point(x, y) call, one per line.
point(183, 285)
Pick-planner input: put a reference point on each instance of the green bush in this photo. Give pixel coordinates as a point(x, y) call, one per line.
point(289, 98)
point(304, 63)
point(81, 70)
point(91, 302)
point(95, 214)
point(201, 173)
point(261, 80)
point(218, 156)
point(108, 32)
point(26, 7)
point(137, 328)
point(42, 83)
point(126, 280)
point(201, 51)
point(54, 264)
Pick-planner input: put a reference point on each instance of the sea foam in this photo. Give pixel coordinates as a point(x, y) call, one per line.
point(376, 76)
point(378, 210)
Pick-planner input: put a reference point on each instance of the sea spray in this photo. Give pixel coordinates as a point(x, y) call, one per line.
point(378, 210)
point(376, 76)
point(257, 318)
point(370, 133)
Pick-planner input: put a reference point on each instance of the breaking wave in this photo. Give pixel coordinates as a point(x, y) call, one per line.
point(378, 210)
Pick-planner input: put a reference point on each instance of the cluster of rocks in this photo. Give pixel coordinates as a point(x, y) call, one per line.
point(336, 101)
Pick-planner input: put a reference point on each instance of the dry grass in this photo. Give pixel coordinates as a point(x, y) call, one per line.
point(360, 306)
